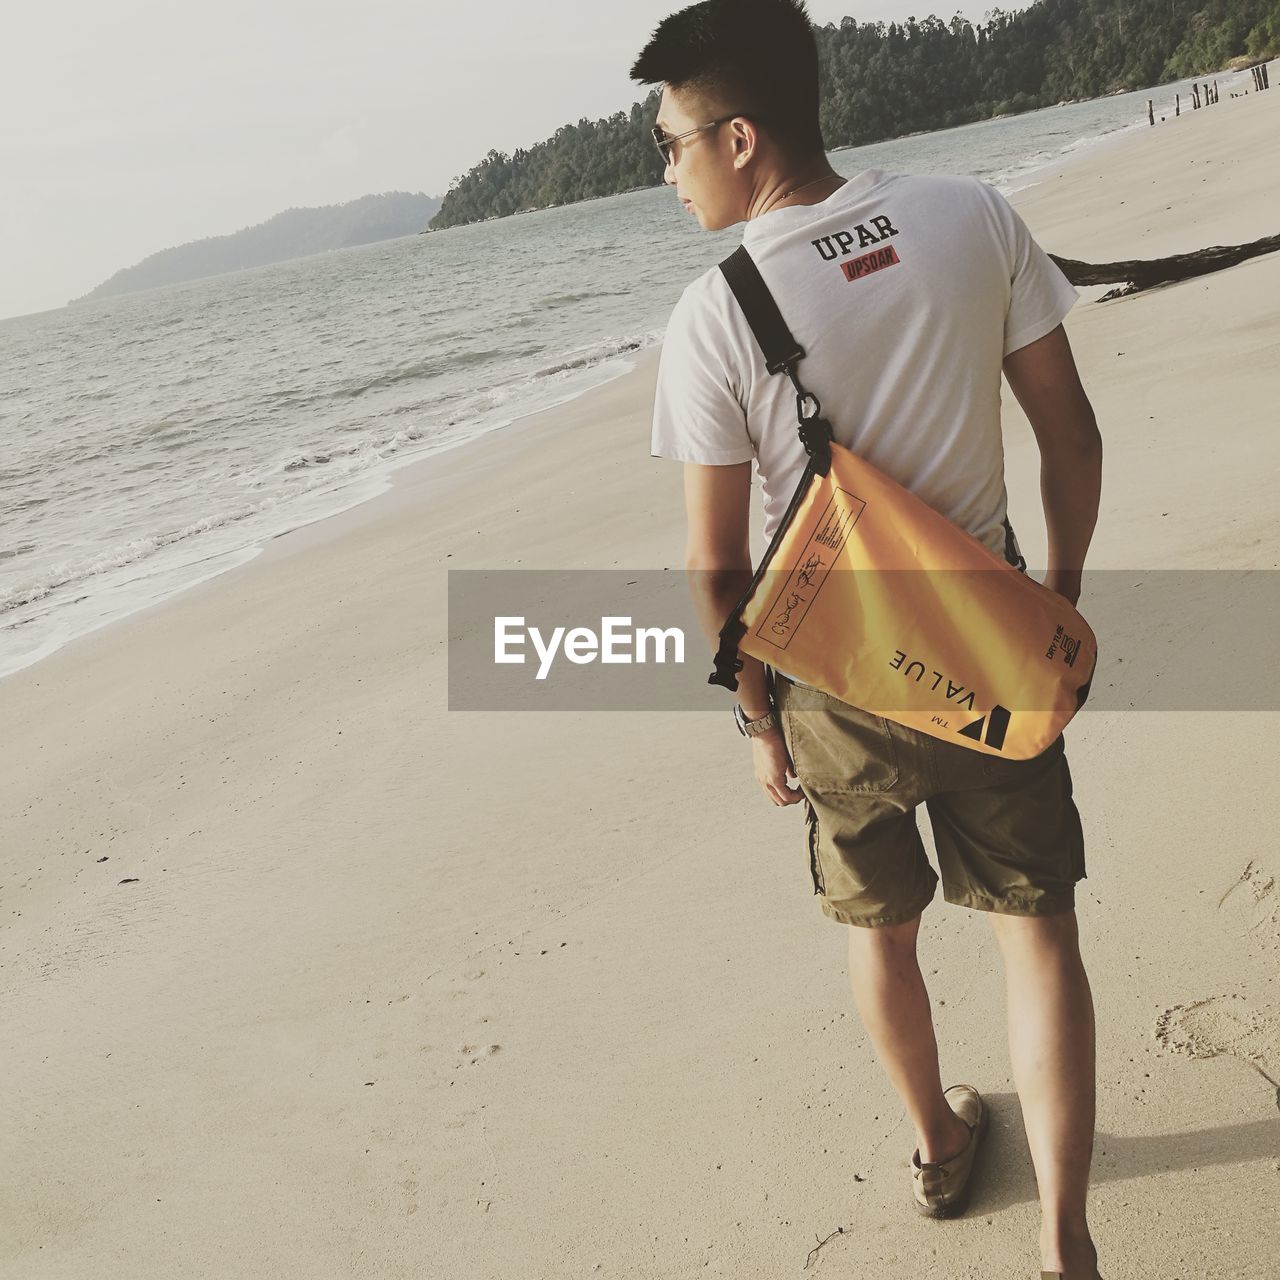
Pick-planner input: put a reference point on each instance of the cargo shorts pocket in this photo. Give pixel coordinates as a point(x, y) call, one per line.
point(836, 747)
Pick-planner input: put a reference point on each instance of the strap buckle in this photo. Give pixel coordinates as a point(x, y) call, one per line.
point(815, 431)
point(727, 662)
point(785, 362)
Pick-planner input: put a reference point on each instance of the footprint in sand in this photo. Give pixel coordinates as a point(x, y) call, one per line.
point(1256, 901)
point(1217, 1025)
point(1230, 1024)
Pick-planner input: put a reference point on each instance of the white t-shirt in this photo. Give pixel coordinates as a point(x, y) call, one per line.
point(906, 293)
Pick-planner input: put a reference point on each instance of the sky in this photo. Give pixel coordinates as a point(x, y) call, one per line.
point(129, 127)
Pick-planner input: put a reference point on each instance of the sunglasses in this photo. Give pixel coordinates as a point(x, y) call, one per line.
point(664, 141)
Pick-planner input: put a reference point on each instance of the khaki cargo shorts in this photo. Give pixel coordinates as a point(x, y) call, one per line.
point(1007, 832)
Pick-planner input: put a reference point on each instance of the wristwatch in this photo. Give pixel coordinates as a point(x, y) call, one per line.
point(753, 728)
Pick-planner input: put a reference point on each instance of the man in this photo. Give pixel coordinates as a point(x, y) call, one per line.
point(906, 351)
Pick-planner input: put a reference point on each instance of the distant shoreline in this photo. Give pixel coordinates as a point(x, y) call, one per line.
point(285, 237)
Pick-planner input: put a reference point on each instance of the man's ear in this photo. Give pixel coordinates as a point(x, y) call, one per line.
point(746, 140)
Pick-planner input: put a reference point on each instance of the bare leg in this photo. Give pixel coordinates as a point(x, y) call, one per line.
point(1051, 1046)
point(889, 991)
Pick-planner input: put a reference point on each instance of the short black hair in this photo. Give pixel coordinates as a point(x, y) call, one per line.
point(749, 56)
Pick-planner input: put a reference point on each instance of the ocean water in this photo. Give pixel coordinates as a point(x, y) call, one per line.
point(154, 440)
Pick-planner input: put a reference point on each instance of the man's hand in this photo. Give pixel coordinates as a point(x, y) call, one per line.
point(718, 562)
point(772, 764)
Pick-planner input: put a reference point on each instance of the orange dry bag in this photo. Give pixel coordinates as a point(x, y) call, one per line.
point(868, 593)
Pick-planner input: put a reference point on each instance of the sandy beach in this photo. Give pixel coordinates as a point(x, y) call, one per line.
point(305, 975)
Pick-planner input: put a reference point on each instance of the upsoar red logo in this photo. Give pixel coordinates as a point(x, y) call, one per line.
point(876, 260)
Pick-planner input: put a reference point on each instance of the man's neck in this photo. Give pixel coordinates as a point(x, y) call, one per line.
point(803, 189)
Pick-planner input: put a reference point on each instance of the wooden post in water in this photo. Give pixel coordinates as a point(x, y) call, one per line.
point(1151, 112)
point(1177, 104)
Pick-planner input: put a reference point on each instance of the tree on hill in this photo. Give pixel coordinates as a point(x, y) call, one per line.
point(880, 81)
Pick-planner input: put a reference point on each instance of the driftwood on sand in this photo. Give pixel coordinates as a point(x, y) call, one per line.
point(1142, 273)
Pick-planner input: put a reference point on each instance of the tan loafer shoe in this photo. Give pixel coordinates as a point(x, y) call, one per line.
point(941, 1187)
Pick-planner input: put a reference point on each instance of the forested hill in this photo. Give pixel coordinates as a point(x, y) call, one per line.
point(882, 81)
point(291, 234)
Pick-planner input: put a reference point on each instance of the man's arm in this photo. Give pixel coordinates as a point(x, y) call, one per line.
point(1044, 378)
point(718, 562)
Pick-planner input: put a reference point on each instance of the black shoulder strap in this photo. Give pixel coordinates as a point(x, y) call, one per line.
point(781, 351)
point(781, 354)
point(780, 348)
